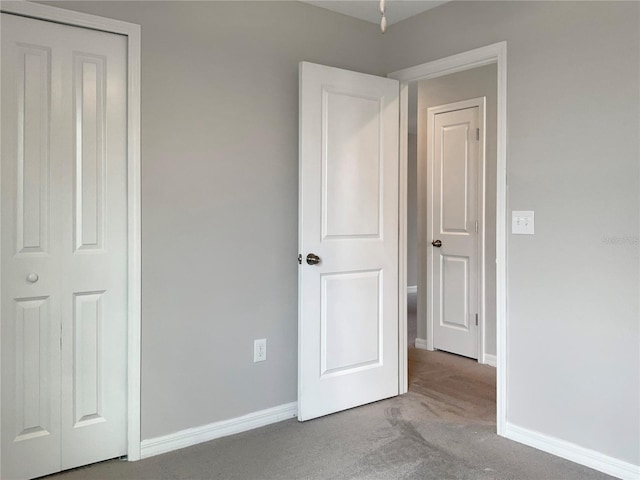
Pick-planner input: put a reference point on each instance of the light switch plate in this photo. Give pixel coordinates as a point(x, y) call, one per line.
point(522, 222)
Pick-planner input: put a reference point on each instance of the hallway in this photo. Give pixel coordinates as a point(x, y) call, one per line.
point(456, 389)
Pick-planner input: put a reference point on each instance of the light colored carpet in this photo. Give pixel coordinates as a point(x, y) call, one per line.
point(444, 428)
point(400, 438)
point(456, 390)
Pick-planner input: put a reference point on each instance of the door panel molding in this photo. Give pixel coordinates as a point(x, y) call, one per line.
point(490, 54)
point(134, 275)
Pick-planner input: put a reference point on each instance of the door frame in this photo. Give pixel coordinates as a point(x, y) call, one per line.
point(426, 257)
point(490, 54)
point(134, 245)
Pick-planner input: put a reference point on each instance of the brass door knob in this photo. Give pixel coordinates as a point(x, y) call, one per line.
point(436, 243)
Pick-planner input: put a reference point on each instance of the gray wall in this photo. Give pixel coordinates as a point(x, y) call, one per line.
point(573, 157)
point(475, 83)
point(220, 189)
point(412, 211)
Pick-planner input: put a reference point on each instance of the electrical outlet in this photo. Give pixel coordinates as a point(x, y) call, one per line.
point(260, 350)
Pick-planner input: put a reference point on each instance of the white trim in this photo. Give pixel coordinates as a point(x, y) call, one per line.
point(412, 289)
point(480, 103)
point(490, 360)
point(132, 32)
point(134, 406)
point(422, 344)
point(205, 433)
point(575, 453)
point(448, 65)
point(403, 290)
point(69, 17)
point(495, 53)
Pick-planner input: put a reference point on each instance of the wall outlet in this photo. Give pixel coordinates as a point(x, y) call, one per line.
point(260, 350)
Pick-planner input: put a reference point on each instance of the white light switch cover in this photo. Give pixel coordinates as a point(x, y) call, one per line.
point(522, 222)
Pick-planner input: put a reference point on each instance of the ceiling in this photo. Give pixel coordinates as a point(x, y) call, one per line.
point(369, 10)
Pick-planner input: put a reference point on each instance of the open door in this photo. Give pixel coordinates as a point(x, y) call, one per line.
point(348, 240)
point(454, 161)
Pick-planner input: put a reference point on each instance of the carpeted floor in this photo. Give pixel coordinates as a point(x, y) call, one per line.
point(444, 428)
point(455, 389)
point(400, 438)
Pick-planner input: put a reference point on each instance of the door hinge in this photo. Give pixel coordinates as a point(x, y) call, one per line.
point(477, 134)
point(300, 258)
point(476, 319)
point(476, 226)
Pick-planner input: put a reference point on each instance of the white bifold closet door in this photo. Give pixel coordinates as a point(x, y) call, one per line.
point(64, 246)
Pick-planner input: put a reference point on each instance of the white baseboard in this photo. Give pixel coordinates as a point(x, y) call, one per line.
point(205, 433)
point(490, 360)
point(575, 453)
point(412, 289)
point(421, 343)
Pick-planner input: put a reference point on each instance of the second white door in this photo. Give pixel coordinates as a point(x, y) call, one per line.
point(454, 153)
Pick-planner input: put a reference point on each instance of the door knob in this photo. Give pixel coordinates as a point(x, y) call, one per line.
point(32, 278)
point(436, 243)
point(313, 259)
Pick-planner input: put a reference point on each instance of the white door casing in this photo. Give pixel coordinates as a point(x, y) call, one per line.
point(455, 152)
point(348, 216)
point(64, 246)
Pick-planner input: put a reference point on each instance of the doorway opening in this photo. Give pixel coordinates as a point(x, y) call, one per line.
point(454, 212)
point(451, 241)
point(438, 85)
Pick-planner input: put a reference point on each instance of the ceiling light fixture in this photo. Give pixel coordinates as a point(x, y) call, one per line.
point(383, 20)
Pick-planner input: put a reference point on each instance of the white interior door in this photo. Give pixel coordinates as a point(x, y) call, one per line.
point(348, 300)
point(454, 152)
point(63, 246)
